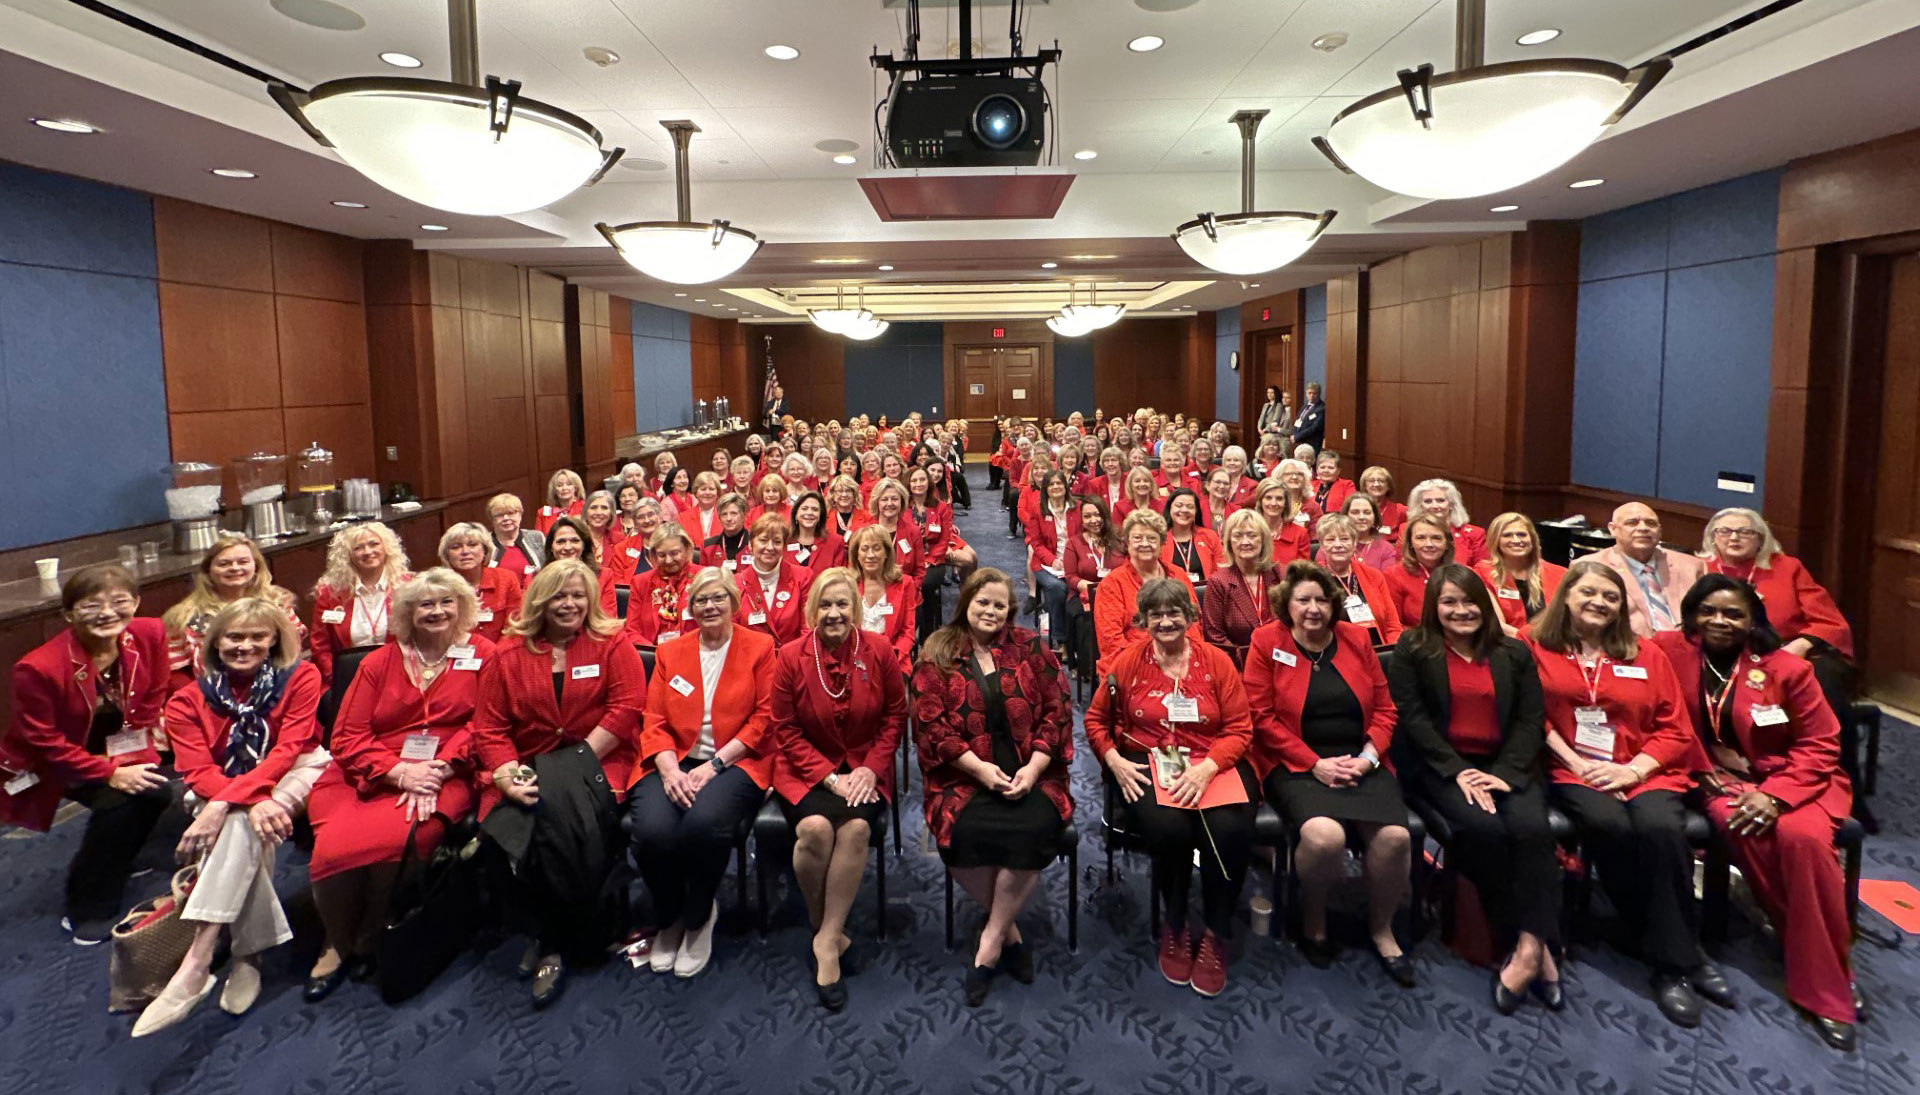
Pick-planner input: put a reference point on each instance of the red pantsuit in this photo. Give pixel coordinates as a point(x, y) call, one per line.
point(199, 735)
point(1117, 602)
point(1277, 675)
point(781, 614)
point(937, 536)
point(817, 734)
point(500, 593)
point(742, 703)
point(1044, 542)
point(357, 820)
point(603, 686)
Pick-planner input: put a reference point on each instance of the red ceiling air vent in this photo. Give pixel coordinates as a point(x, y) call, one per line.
point(966, 195)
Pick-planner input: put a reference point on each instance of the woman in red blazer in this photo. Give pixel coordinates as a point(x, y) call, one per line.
point(1377, 483)
point(1623, 757)
point(351, 601)
point(811, 540)
point(1330, 491)
point(705, 766)
point(839, 705)
point(402, 767)
point(1286, 523)
point(247, 744)
point(463, 550)
point(563, 678)
point(888, 597)
point(1775, 787)
point(1052, 526)
point(1426, 546)
point(1110, 484)
point(86, 706)
point(887, 508)
point(1170, 725)
point(940, 543)
point(233, 568)
point(1323, 721)
point(1142, 494)
point(1092, 554)
point(566, 497)
point(1521, 581)
point(1370, 604)
point(657, 602)
point(1236, 602)
point(1441, 498)
point(772, 589)
point(1218, 504)
point(770, 496)
point(1191, 546)
point(992, 709)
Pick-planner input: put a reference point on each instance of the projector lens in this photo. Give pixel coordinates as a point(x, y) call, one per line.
point(999, 122)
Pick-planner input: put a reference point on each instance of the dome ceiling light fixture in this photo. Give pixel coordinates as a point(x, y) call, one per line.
point(1482, 128)
point(1250, 242)
point(855, 323)
point(1075, 320)
point(469, 145)
point(682, 250)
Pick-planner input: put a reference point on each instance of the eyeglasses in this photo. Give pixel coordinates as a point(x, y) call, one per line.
point(1736, 534)
point(706, 599)
point(112, 606)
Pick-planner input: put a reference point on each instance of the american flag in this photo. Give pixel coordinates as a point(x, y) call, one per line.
point(773, 378)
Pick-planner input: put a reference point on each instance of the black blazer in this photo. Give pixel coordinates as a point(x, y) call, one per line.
point(1424, 699)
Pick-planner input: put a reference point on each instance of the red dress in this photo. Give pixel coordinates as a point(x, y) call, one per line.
point(817, 734)
point(950, 712)
point(1644, 709)
point(604, 687)
point(781, 616)
point(500, 595)
point(54, 698)
point(742, 703)
point(357, 820)
point(199, 735)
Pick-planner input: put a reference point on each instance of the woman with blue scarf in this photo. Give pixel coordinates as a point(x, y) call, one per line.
point(247, 745)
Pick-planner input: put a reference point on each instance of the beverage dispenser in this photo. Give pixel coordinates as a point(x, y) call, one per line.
point(316, 488)
point(193, 505)
point(262, 480)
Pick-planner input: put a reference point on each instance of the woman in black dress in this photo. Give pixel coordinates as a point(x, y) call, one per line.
point(1323, 720)
point(992, 712)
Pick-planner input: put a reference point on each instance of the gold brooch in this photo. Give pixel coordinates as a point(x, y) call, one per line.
point(1756, 678)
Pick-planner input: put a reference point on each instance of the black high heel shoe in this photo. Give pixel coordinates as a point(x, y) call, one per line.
point(832, 997)
point(319, 988)
point(1550, 994)
point(1505, 1000)
point(979, 981)
point(1399, 968)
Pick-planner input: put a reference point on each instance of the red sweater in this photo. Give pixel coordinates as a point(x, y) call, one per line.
point(1136, 720)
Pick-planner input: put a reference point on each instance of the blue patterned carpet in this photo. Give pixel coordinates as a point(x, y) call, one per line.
point(1099, 1021)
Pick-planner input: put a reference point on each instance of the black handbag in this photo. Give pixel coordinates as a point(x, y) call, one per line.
point(432, 915)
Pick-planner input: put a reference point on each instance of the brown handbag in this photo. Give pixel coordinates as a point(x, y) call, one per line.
point(149, 943)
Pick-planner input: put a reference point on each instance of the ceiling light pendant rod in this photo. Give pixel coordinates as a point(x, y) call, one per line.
point(966, 30)
point(682, 133)
point(1469, 34)
point(463, 42)
point(1249, 123)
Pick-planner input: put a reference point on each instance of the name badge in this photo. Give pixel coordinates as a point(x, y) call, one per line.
point(133, 741)
point(666, 636)
point(466, 664)
point(583, 672)
point(793, 547)
point(884, 608)
point(754, 619)
point(681, 685)
point(1634, 672)
point(933, 528)
point(334, 616)
point(1301, 519)
point(530, 569)
point(419, 747)
point(1508, 594)
point(1101, 571)
point(1592, 735)
point(1183, 709)
point(905, 545)
point(1385, 530)
point(20, 784)
point(460, 651)
point(1284, 658)
point(633, 553)
point(484, 616)
point(731, 564)
point(1358, 611)
point(783, 596)
point(1768, 714)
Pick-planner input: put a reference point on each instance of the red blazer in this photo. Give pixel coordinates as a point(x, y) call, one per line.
point(500, 595)
point(1393, 516)
point(1293, 541)
point(1470, 545)
point(518, 718)
point(545, 519)
point(656, 606)
point(784, 510)
point(714, 552)
point(936, 533)
point(784, 617)
point(822, 555)
point(1188, 477)
point(904, 596)
point(1042, 539)
point(1233, 610)
point(1243, 491)
point(1126, 506)
point(1115, 604)
point(382, 707)
point(1409, 591)
point(742, 704)
point(817, 735)
point(199, 737)
point(332, 629)
point(1381, 600)
point(1277, 689)
point(1333, 496)
point(1085, 565)
point(1507, 596)
point(1796, 604)
point(1206, 550)
point(53, 702)
point(907, 550)
point(1648, 714)
point(618, 568)
point(1135, 720)
point(950, 712)
point(1108, 491)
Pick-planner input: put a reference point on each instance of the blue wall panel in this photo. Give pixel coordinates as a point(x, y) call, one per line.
point(79, 314)
point(1226, 382)
point(1719, 345)
point(1073, 377)
point(1736, 219)
point(1616, 383)
point(662, 368)
point(1625, 241)
point(898, 373)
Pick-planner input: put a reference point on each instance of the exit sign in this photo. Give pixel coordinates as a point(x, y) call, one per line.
point(999, 332)
point(1266, 314)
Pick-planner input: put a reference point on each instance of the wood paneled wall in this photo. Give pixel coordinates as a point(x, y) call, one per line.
point(263, 336)
point(812, 369)
point(620, 364)
point(591, 387)
point(1346, 326)
point(1163, 363)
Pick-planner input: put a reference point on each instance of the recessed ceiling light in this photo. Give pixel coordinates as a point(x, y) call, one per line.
point(634, 164)
point(843, 158)
point(351, 205)
point(1584, 183)
point(63, 125)
point(1330, 41)
point(1086, 154)
point(679, 294)
point(1048, 265)
point(434, 227)
point(233, 173)
point(782, 53)
point(1538, 37)
point(400, 60)
point(1503, 209)
point(1146, 43)
point(320, 13)
point(699, 300)
point(886, 268)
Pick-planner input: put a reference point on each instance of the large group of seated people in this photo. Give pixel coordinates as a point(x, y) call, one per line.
point(632, 674)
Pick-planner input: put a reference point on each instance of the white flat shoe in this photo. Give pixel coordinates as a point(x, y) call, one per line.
point(168, 1009)
point(697, 948)
point(666, 948)
point(243, 986)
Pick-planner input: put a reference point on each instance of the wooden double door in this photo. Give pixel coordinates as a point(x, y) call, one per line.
point(998, 381)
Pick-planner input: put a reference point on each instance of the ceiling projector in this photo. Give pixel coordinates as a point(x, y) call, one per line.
point(966, 111)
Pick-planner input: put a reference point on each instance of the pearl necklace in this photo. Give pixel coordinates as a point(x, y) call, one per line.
point(820, 671)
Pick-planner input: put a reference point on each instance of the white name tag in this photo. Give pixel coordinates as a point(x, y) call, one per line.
point(1634, 672)
point(25, 781)
point(1301, 518)
point(793, 547)
point(667, 636)
point(1508, 594)
point(1358, 611)
point(1101, 572)
point(633, 553)
point(884, 608)
point(484, 616)
point(530, 569)
point(905, 545)
point(1284, 658)
point(731, 564)
point(933, 528)
point(419, 747)
point(754, 619)
point(1183, 709)
point(681, 685)
point(1595, 738)
point(334, 616)
point(1768, 714)
point(126, 741)
point(582, 672)
point(1385, 530)
point(466, 664)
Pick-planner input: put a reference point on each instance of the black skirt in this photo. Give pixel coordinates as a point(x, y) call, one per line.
point(990, 831)
point(1330, 724)
point(820, 802)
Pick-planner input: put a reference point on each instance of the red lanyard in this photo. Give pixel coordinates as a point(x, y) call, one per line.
point(1717, 701)
point(1592, 682)
point(376, 625)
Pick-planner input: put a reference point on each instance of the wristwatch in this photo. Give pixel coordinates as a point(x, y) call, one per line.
point(833, 781)
point(719, 763)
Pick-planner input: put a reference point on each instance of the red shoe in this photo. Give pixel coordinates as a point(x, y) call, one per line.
point(1176, 955)
point(1209, 967)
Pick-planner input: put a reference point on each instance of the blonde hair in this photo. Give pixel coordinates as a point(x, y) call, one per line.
point(567, 475)
point(1769, 547)
point(427, 583)
point(882, 487)
point(708, 576)
point(253, 610)
point(340, 577)
point(1143, 518)
point(771, 479)
point(705, 478)
point(889, 566)
point(504, 503)
point(1417, 520)
point(1456, 506)
point(202, 599)
point(1372, 471)
point(844, 482)
point(833, 576)
point(530, 623)
point(1232, 525)
point(1499, 564)
point(1270, 485)
point(1336, 522)
point(463, 533)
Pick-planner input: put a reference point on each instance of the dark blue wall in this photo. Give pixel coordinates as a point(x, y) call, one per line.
point(1226, 382)
point(662, 368)
point(1313, 340)
point(897, 373)
point(1073, 377)
point(83, 399)
point(1672, 353)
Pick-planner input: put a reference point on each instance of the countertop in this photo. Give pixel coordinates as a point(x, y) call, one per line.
point(640, 445)
point(31, 596)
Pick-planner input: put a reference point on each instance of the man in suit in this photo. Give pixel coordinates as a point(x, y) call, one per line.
point(775, 409)
point(1310, 428)
point(1656, 577)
